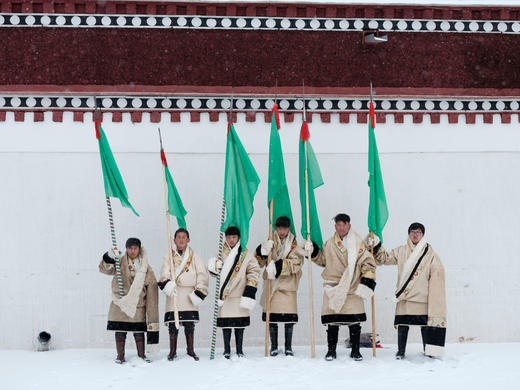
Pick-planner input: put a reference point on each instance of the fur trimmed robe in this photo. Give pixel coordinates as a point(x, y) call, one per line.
point(192, 285)
point(349, 278)
point(284, 288)
point(421, 290)
point(141, 300)
point(237, 287)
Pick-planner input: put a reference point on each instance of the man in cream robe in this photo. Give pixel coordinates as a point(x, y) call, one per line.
point(421, 291)
point(239, 273)
point(285, 273)
point(185, 284)
point(137, 310)
point(349, 278)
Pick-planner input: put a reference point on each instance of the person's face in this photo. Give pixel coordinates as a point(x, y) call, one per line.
point(133, 251)
point(415, 235)
point(181, 241)
point(282, 231)
point(232, 240)
point(342, 228)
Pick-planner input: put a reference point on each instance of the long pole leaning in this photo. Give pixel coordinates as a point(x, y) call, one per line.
point(170, 249)
point(309, 262)
point(217, 284)
point(268, 288)
point(373, 310)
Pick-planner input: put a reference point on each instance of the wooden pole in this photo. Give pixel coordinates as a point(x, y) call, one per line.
point(169, 231)
point(373, 310)
point(268, 287)
point(311, 295)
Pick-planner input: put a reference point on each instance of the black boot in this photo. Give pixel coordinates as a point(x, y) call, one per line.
point(139, 343)
point(173, 331)
point(120, 347)
point(189, 331)
point(239, 339)
point(402, 337)
point(332, 341)
point(288, 339)
point(355, 335)
point(227, 343)
point(273, 334)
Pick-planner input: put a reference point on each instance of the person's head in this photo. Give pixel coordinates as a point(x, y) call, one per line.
point(282, 227)
point(133, 247)
point(342, 224)
point(181, 238)
point(416, 232)
point(232, 236)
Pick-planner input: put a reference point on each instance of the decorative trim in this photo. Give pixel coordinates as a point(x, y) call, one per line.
point(233, 322)
point(343, 319)
point(409, 319)
point(204, 103)
point(120, 326)
point(189, 316)
point(205, 22)
point(281, 317)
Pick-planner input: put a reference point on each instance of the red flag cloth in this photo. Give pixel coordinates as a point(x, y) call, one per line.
point(277, 116)
point(163, 158)
point(97, 123)
point(372, 116)
point(304, 133)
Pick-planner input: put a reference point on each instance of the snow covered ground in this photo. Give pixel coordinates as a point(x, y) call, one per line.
point(467, 365)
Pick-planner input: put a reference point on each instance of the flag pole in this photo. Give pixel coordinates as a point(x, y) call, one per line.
point(372, 251)
point(97, 122)
point(268, 288)
point(169, 231)
point(311, 295)
point(219, 256)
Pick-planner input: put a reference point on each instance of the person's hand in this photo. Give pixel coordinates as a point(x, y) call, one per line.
point(266, 247)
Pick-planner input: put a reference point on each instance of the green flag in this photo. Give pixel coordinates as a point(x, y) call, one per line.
point(377, 209)
point(309, 162)
point(240, 185)
point(175, 206)
point(114, 186)
point(277, 186)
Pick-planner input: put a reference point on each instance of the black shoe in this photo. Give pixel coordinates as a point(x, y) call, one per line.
point(273, 352)
point(356, 356)
point(227, 355)
point(332, 341)
point(331, 355)
point(288, 339)
point(172, 358)
point(355, 335)
point(241, 355)
point(402, 337)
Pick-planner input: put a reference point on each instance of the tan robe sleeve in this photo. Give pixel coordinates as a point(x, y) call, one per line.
point(367, 265)
point(165, 269)
point(437, 294)
point(202, 275)
point(319, 259)
point(252, 272)
point(385, 258)
point(293, 263)
point(107, 269)
point(152, 301)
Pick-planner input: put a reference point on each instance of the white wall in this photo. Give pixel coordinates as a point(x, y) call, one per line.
point(461, 181)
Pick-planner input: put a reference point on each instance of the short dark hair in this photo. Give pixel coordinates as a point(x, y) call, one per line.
point(181, 230)
point(342, 218)
point(283, 222)
point(232, 231)
point(415, 226)
point(133, 241)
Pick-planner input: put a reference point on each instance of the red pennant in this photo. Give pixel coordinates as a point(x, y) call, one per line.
point(163, 158)
point(229, 127)
point(276, 116)
point(304, 133)
point(97, 123)
point(372, 116)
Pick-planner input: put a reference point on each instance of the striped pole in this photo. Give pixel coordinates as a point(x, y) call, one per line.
point(114, 245)
point(217, 284)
